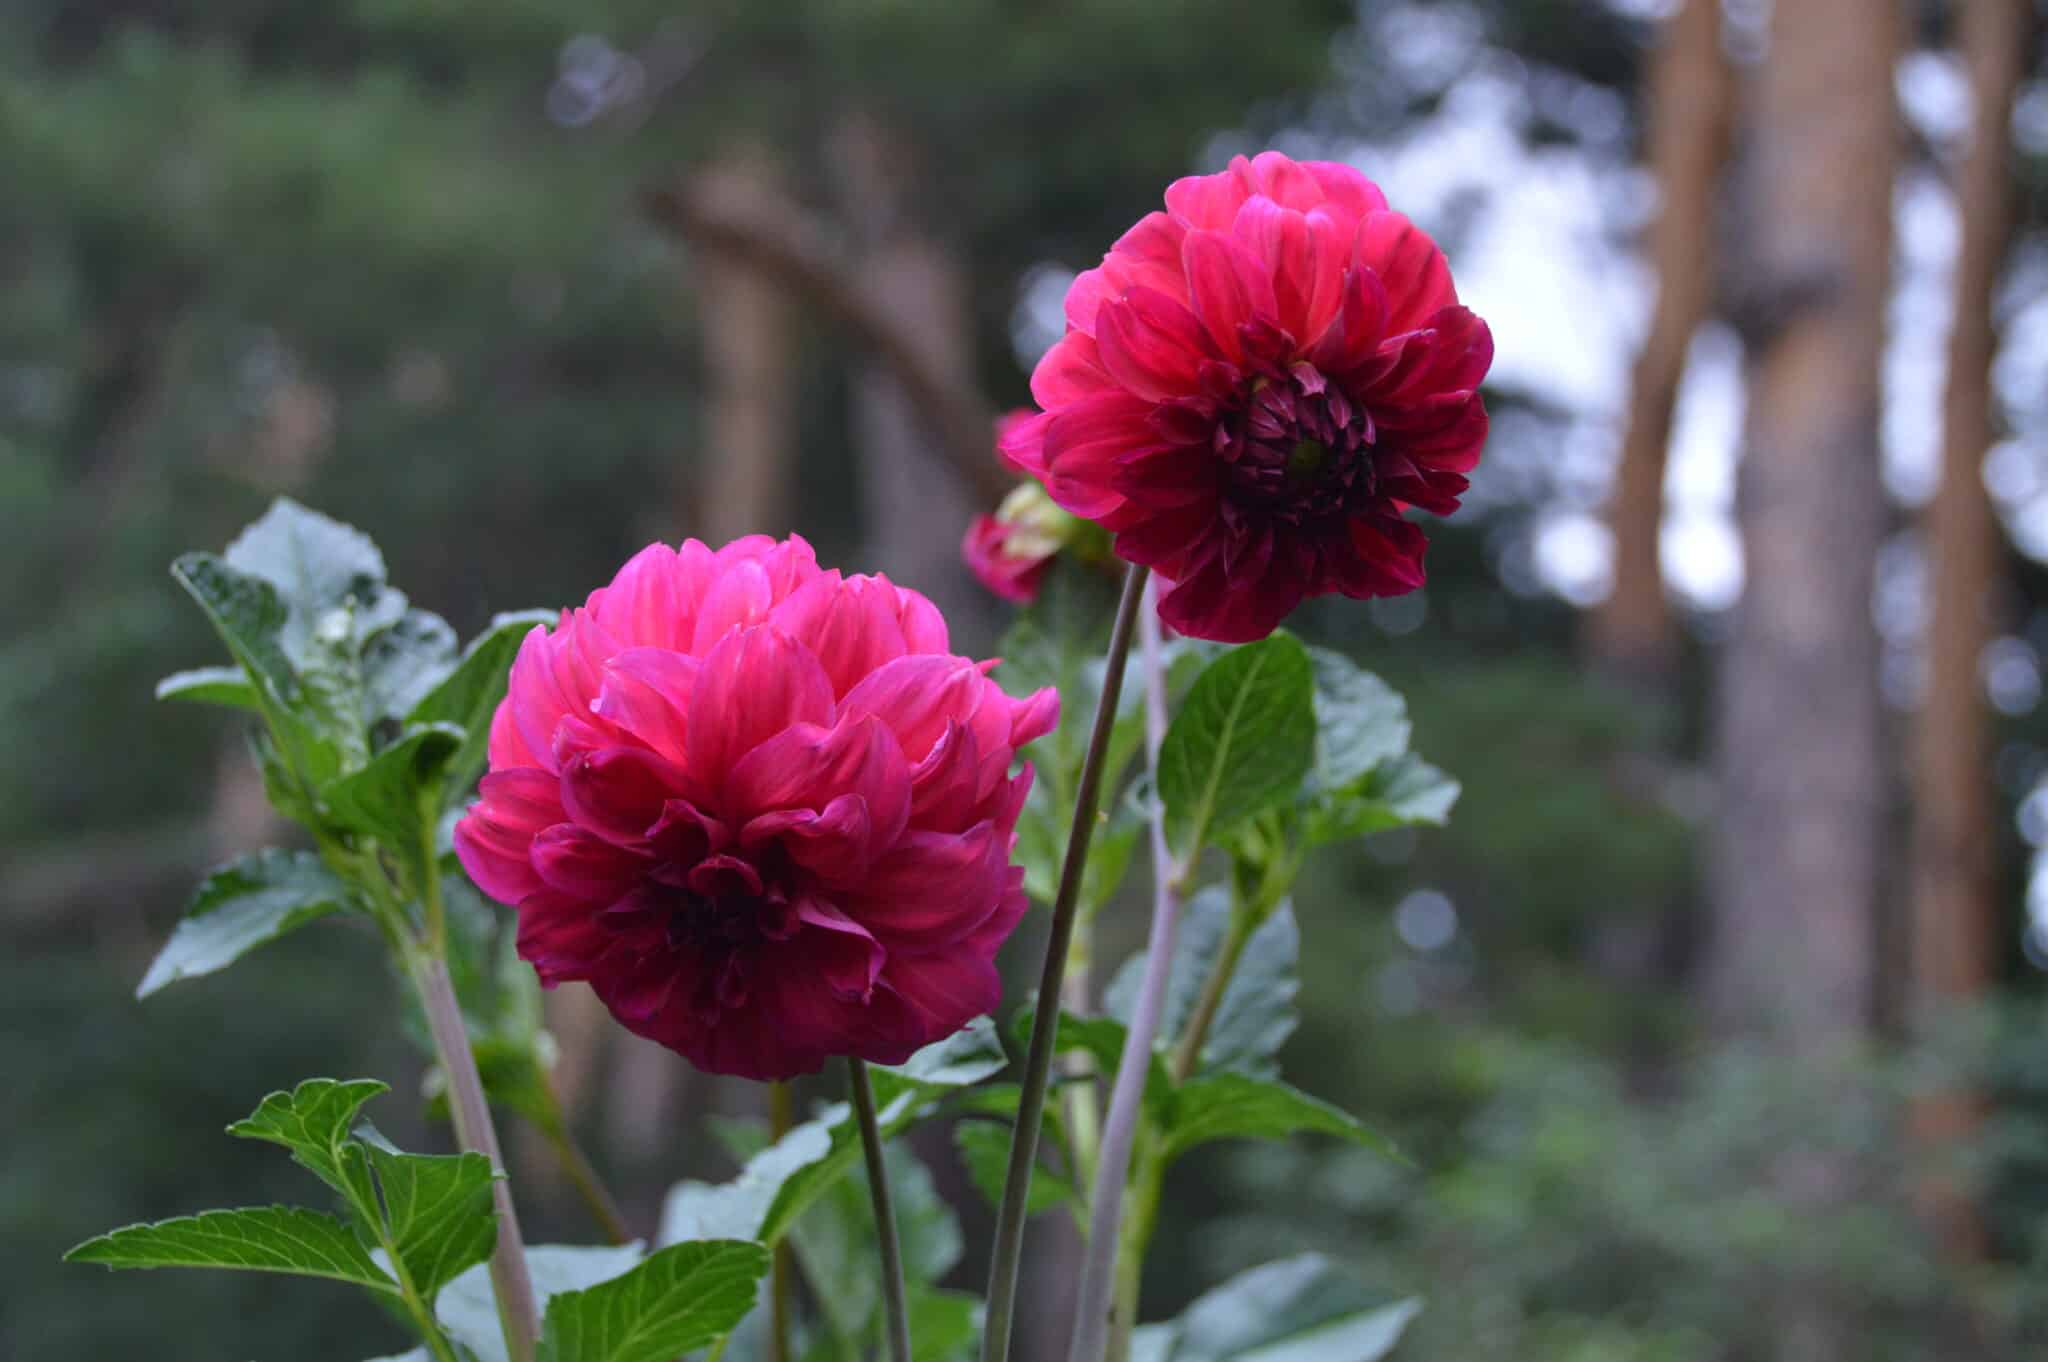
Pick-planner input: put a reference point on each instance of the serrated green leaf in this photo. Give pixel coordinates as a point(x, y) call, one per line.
point(239, 907)
point(1224, 1106)
point(1301, 1309)
point(984, 1148)
point(315, 563)
point(396, 796)
point(313, 1121)
point(1404, 793)
point(254, 1239)
point(1361, 721)
point(681, 1298)
point(470, 692)
point(227, 686)
point(835, 1241)
point(405, 662)
point(783, 1180)
point(468, 1310)
point(1102, 1038)
point(437, 1208)
point(1257, 1013)
point(1243, 740)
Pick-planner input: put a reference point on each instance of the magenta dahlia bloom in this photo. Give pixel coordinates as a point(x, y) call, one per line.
point(760, 808)
point(1254, 386)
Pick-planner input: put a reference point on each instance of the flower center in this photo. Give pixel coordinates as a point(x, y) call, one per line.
point(1300, 449)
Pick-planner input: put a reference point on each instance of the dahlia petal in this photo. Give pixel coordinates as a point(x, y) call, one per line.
point(1082, 444)
point(1284, 181)
point(1068, 372)
point(1228, 287)
point(807, 766)
point(740, 596)
point(916, 696)
point(561, 937)
point(573, 860)
point(1010, 576)
point(1210, 604)
point(851, 627)
point(837, 843)
point(924, 628)
point(648, 601)
point(1353, 336)
point(1414, 271)
point(507, 748)
point(947, 781)
point(1022, 443)
point(1210, 201)
point(1281, 241)
point(494, 838)
point(1150, 344)
point(1346, 189)
point(849, 958)
point(757, 682)
point(932, 888)
point(685, 834)
point(1036, 715)
point(647, 694)
point(948, 988)
point(620, 793)
point(535, 696)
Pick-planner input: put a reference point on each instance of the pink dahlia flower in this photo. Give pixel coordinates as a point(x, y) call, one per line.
point(1009, 552)
point(760, 808)
point(1254, 386)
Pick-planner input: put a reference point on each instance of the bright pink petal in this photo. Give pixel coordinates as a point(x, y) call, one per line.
point(1228, 286)
point(750, 687)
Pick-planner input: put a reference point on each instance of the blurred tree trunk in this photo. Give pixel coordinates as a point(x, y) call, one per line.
point(1797, 847)
point(1691, 114)
point(1797, 844)
point(1954, 906)
point(916, 506)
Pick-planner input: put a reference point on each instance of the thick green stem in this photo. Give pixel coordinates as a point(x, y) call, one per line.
point(510, 1280)
point(583, 1179)
point(1121, 1128)
point(895, 1306)
point(1010, 1215)
point(1188, 1053)
point(781, 1116)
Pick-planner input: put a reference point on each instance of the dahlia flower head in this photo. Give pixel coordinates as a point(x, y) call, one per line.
point(760, 808)
point(1254, 386)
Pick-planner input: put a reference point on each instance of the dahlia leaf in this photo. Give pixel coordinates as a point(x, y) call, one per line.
point(254, 1239)
point(437, 1208)
point(313, 1121)
point(984, 1148)
point(1256, 1014)
point(943, 1324)
point(972, 1053)
point(396, 797)
point(1243, 741)
point(250, 617)
point(1103, 1039)
point(468, 1309)
point(406, 662)
point(227, 686)
point(782, 1181)
point(1302, 1309)
point(468, 694)
point(1403, 793)
point(316, 563)
point(1361, 721)
point(241, 906)
point(1225, 1106)
point(835, 1241)
point(680, 1298)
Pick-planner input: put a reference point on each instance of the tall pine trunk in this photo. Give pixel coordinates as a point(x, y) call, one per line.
point(1691, 114)
point(1954, 905)
point(1797, 846)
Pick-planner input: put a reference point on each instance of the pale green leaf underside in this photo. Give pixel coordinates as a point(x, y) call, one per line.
point(683, 1297)
point(255, 1239)
point(257, 899)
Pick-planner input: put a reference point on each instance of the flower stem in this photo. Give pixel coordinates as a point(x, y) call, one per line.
point(1127, 1097)
point(510, 1281)
point(781, 1116)
point(896, 1308)
point(1010, 1216)
point(583, 1178)
point(1188, 1053)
